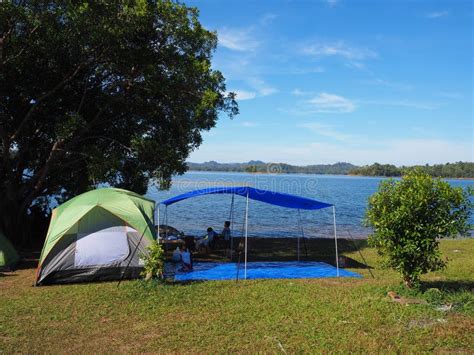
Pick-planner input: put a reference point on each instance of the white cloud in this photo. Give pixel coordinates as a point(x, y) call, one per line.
point(325, 130)
point(331, 103)
point(314, 70)
point(267, 19)
point(451, 95)
point(249, 124)
point(298, 92)
point(332, 3)
point(339, 48)
point(241, 40)
point(268, 90)
point(245, 95)
point(437, 14)
point(402, 103)
point(355, 64)
point(392, 85)
point(262, 87)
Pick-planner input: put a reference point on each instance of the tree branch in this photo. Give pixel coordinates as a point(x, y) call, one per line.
point(42, 98)
point(39, 180)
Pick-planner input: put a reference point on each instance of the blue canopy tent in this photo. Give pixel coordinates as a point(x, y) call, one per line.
point(270, 197)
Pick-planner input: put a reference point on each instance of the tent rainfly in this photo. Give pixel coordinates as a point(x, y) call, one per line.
point(98, 235)
point(8, 254)
point(271, 197)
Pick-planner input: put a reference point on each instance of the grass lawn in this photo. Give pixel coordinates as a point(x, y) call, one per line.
point(260, 315)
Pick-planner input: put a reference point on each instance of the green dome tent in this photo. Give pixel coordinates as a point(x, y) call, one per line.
point(97, 235)
point(8, 254)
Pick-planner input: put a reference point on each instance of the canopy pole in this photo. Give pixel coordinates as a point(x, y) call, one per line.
point(246, 233)
point(158, 223)
point(298, 248)
point(166, 221)
point(335, 239)
point(299, 223)
point(302, 232)
point(231, 227)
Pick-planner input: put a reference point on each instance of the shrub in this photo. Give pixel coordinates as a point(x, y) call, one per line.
point(154, 261)
point(408, 218)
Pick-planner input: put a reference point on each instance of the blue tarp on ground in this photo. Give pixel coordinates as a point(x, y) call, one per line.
point(263, 270)
point(271, 197)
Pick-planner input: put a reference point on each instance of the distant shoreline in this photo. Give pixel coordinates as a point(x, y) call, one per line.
point(326, 174)
point(458, 170)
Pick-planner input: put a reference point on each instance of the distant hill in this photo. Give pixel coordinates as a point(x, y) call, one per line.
point(258, 166)
point(448, 170)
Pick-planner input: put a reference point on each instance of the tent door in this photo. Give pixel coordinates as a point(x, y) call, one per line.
point(105, 247)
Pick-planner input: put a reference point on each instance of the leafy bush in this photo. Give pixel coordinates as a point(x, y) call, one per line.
point(409, 216)
point(154, 261)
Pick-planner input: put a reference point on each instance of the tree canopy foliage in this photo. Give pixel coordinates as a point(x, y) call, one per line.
point(409, 216)
point(95, 92)
point(448, 170)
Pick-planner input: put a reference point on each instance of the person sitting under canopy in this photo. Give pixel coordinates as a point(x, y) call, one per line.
point(225, 234)
point(208, 241)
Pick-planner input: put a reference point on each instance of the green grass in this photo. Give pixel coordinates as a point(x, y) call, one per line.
point(260, 315)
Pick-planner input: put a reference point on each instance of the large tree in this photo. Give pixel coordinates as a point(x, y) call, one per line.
point(94, 92)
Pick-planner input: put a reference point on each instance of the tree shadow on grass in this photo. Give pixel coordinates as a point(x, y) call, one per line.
point(8, 274)
point(188, 283)
point(314, 249)
point(452, 286)
point(354, 264)
point(27, 264)
point(286, 249)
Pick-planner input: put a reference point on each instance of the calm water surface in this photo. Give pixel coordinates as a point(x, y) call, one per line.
point(349, 194)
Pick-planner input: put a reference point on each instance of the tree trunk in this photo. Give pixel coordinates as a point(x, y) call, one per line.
point(409, 281)
point(14, 223)
point(17, 223)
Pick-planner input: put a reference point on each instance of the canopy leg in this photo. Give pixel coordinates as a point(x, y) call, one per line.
point(300, 222)
point(158, 223)
point(165, 217)
point(298, 248)
point(246, 234)
point(231, 227)
point(299, 225)
point(335, 239)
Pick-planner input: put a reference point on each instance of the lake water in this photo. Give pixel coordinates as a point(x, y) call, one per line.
point(348, 193)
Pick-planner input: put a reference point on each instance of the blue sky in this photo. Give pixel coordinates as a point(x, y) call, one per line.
point(338, 80)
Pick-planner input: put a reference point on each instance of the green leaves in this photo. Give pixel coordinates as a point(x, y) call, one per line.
point(154, 261)
point(456, 170)
point(125, 87)
point(409, 216)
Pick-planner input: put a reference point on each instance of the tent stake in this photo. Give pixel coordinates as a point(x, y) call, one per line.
point(335, 239)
